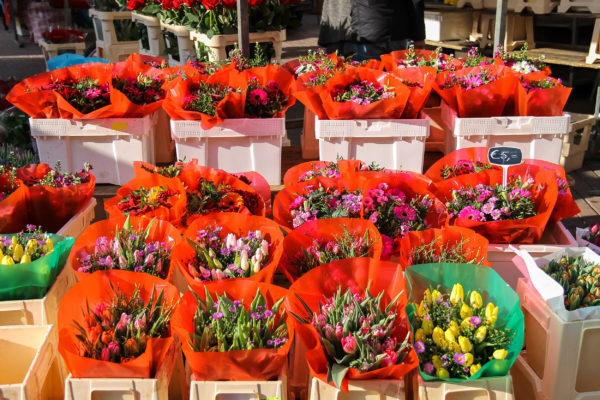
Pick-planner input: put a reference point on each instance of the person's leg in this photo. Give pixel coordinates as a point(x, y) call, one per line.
point(368, 51)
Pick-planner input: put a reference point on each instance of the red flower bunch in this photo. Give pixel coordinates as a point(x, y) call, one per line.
point(204, 97)
point(463, 167)
point(140, 201)
point(86, 95)
point(264, 101)
point(141, 90)
point(211, 198)
point(135, 4)
point(63, 36)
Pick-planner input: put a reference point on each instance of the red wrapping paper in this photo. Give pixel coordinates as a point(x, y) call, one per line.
point(541, 102)
point(13, 209)
point(417, 95)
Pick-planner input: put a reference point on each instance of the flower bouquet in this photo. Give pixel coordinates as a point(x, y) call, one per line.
point(351, 318)
point(450, 244)
point(234, 330)
point(55, 196)
point(153, 196)
point(519, 61)
point(364, 93)
point(466, 321)
point(517, 213)
point(228, 245)
point(419, 58)
point(257, 182)
point(142, 169)
point(475, 59)
point(125, 243)
point(322, 241)
point(30, 261)
point(309, 170)
point(589, 237)
point(13, 202)
point(541, 95)
point(419, 81)
point(325, 198)
point(116, 324)
point(269, 92)
point(477, 92)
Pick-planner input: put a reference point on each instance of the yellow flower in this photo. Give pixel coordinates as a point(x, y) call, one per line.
point(500, 354)
point(436, 295)
point(476, 300)
point(31, 246)
point(491, 314)
point(428, 299)
point(7, 260)
point(1, 253)
point(18, 251)
point(442, 373)
point(155, 193)
point(465, 344)
point(438, 335)
point(420, 335)
point(420, 310)
point(465, 324)
point(455, 347)
point(427, 326)
point(25, 259)
point(14, 240)
point(474, 368)
point(468, 359)
point(457, 293)
point(454, 328)
point(465, 311)
point(480, 333)
point(437, 362)
point(49, 247)
point(449, 335)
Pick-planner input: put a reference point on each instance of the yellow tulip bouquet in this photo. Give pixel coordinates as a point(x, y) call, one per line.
point(25, 246)
point(455, 335)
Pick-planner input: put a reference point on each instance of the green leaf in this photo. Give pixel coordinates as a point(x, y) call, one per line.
point(338, 372)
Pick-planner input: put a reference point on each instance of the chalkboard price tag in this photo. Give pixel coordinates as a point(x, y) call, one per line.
point(505, 157)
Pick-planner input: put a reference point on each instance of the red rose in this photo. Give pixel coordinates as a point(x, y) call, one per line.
point(135, 4)
point(254, 3)
point(230, 3)
point(210, 4)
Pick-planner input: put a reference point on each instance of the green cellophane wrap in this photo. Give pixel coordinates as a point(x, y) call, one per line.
point(492, 289)
point(32, 280)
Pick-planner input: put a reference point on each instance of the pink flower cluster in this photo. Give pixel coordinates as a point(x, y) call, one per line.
point(321, 203)
point(330, 170)
point(362, 93)
point(470, 81)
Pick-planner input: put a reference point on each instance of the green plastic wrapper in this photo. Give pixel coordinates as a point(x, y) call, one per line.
point(492, 289)
point(32, 280)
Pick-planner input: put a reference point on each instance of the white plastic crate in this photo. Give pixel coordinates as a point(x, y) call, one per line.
point(52, 50)
point(111, 145)
point(580, 233)
point(536, 6)
point(397, 144)
point(592, 6)
point(573, 153)
point(156, 41)
point(502, 256)
point(157, 388)
point(308, 141)
point(539, 138)
point(238, 390)
point(562, 354)
point(107, 44)
point(77, 224)
point(448, 25)
point(29, 354)
point(236, 145)
point(217, 43)
point(379, 389)
point(42, 311)
point(185, 45)
point(496, 388)
point(527, 385)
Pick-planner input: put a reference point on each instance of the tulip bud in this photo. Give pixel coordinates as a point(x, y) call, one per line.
point(465, 344)
point(32, 244)
point(428, 298)
point(481, 333)
point(594, 229)
point(438, 335)
point(436, 295)
point(7, 260)
point(427, 326)
point(468, 359)
point(49, 247)
point(476, 300)
point(230, 241)
point(465, 311)
point(457, 293)
point(420, 335)
point(18, 251)
point(474, 368)
point(25, 259)
point(437, 362)
point(264, 246)
point(453, 326)
point(244, 260)
point(122, 262)
point(349, 344)
point(500, 354)
point(449, 336)
point(442, 373)
point(491, 314)
point(255, 268)
point(14, 240)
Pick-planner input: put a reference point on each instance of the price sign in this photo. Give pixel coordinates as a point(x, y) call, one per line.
point(505, 157)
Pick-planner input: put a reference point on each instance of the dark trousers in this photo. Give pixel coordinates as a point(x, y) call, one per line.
point(368, 51)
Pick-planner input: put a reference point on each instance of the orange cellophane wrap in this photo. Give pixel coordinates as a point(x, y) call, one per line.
point(190, 177)
point(239, 225)
point(231, 106)
point(131, 69)
point(565, 204)
point(161, 231)
point(140, 168)
point(484, 101)
point(237, 365)
point(178, 201)
point(354, 167)
point(475, 247)
point(283, 199)
point(292, 175)
point(418, 95)
point(258, 183)
point(390, 61)
point(373, 64)
point(542, 102)
point(52, 207)
point(325, 229)
point(387, 108)
point(143, 59)
point(274, 73)
point(13, 209)
point(96, 289)
point(524, 231)
point(469, 153)
point(354, 274)
point(310, 97)
point(546, 70)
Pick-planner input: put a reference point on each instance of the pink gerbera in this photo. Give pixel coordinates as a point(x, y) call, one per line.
point(258, 97)
point(471, 213)
point(405, 212)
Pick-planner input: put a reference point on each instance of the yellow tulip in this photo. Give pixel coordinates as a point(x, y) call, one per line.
point(474, 368)
point(465, 344)
point(465, 311)
point(420, 335)
point(49, 247)
point(500, 354)
point(455, 347)
point(481, 333)
point(25, 259)
point(437, 362)
point(449, 336)
point(427, 326)
point(454, 328)
point(14, 240)
point(7, 260)
point(442, 373)
point(428, 299)
point(476, 300)
point(468, 359)
point(1, 253)
point(491, 314)
point(18, 251)
point(436, 295)
point(32, 243)
point(438, 335)
point(420, 309)
point(465, 324)
point(457, 293)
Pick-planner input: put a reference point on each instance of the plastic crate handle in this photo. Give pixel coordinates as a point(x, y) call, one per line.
point(43, 363)
point(237, 396)
point(17, 306)
point(541, 314)
point(360, 393)
point(114, 389)
point(475, 392)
